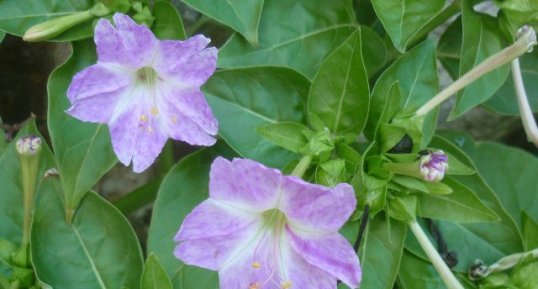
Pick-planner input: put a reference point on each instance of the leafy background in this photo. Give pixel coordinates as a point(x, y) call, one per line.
point(287, 69)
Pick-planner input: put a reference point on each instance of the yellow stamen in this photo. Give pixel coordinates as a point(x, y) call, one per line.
point(256, 265)
point(143, 118)
point(173, 119)
point(254, 285)
point(286, 285)
point(154, 111)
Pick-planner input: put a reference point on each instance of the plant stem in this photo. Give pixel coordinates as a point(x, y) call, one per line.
point(520, 47)
point(448, 277)
point(529, 123)
point(29, 167)
point(302, 166)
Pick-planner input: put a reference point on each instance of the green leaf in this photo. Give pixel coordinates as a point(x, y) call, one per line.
point(403, 20)
point(11, 204)
point(416, 273)
point(374, 50)
point(416, 74)
point(381, 252)
point(504, 100)
point(2, 35)
point(168, 23)
point(339, 95)
point(289, 135)
point(530, 232)
point(403, 208)
point(17, 16)
point(461, 206)
point(154, 276)
point(242, 16)
point(481, 39)
point(297, 34)
point(3, 142)
point(98, 250)
point(449, 48)
point(83, 150)
point(185, 186)
point(511, 173)
point(246, 98)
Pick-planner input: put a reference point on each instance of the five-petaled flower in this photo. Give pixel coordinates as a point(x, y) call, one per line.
point(263, 230)
point(146, 90)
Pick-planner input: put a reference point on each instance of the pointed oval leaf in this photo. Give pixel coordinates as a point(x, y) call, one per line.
point(381, 252)
point(404, 19)
point(154, 275)
point(340, 95)
point(481, 39)
point(83, 150)
point(98, 250)
point(242, 16)
point(300, 38)
point(246, 98)
point(289, 135)
point(416, 74)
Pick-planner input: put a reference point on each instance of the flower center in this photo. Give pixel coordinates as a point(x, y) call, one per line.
point(147, 76)
point(274, 222)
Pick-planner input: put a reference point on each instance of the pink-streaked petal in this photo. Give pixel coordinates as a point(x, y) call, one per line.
point(211, 219)
point(138, 40)
point(212, 252)
point(317, 207)
point(128, 44)
point(109, 44)
point(137, 135)
point(187, 115)
point(332, 253)
point(244, 184)
point(278, 264)
point(98, 108)
point(96, 80)
point(186, 62)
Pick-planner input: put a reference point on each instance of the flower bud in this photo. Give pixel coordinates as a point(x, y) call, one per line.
point(433, 166)
point(54, 27)
point(29, 145)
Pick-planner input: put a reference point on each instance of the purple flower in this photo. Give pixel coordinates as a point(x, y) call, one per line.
point(263, 230)
point(433, 166)
point(146, 90)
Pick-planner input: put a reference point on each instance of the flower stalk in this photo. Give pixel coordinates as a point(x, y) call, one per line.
point(28, 148)
point(525, 42)
point(446, 274)
point(302, 166)
point(527, 117)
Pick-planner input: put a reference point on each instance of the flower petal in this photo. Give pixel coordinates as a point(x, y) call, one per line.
point(278, 264)
point(128, 44)
point(136, 134)
point(211, 253)
point(186, 62)
point(244, 184)
point(95, 91)
point(187, 115)
point(211, 219)
point(331, 253)
point(316, 207)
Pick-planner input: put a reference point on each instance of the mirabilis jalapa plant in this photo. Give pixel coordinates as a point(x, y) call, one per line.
point(321, 155)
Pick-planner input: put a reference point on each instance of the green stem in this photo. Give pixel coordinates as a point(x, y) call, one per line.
point(520, 47)
point(446, 274)
point(302, 166)
point(527, 117)
point(29, 167)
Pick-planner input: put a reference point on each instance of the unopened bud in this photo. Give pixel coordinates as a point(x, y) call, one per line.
point(29, 145)
point(433, 166)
